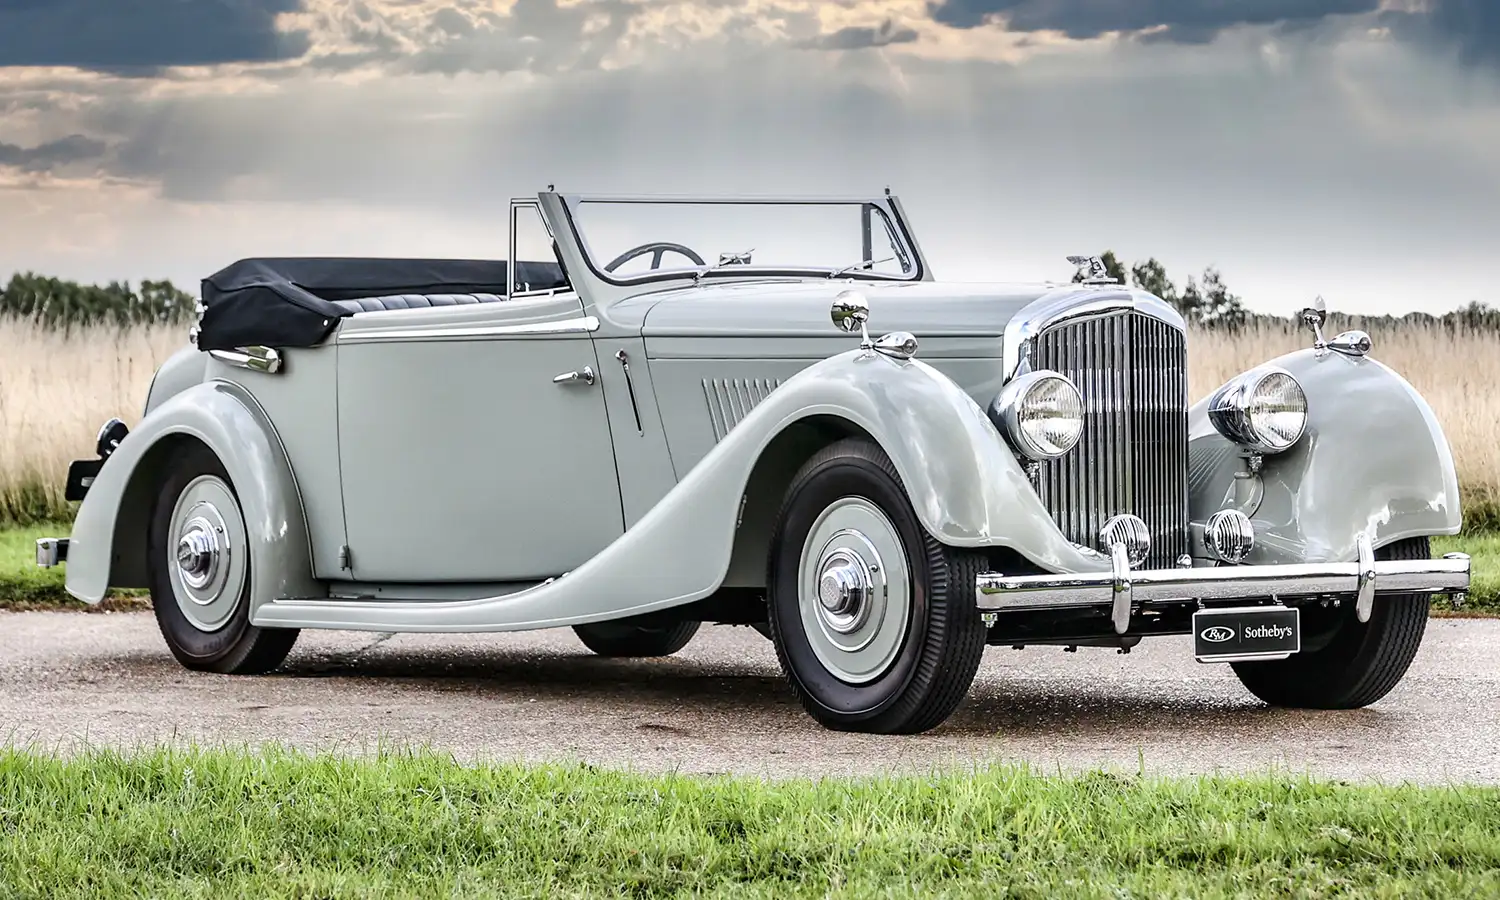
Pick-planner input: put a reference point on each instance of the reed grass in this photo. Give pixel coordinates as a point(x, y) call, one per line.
point(57, 387)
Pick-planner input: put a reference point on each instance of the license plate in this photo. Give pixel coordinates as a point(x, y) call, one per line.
point(1246, 632)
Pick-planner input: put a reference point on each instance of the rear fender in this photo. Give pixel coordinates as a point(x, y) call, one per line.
point(108, 545)
point(1373, 460)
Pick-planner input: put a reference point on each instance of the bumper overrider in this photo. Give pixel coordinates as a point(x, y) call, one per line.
point(1124, 588)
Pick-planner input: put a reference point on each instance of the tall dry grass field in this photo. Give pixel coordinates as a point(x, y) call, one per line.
point(1457, 371)
point(57, 388)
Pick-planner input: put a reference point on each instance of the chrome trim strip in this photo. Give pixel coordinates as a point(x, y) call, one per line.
point(1449, 575)
point(1052, 309)
point(583, 325)
point(635, 408)
point(256, 359)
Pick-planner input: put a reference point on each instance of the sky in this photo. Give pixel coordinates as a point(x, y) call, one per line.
point(1342, 148)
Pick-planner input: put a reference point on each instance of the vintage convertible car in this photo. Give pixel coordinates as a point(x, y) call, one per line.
point(631, 436)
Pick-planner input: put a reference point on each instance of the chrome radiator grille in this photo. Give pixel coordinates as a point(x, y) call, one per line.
point(1132, 371)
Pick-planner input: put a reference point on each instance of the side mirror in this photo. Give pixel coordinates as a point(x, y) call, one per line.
point(1313, 317)
point(851, 310)
point(1316, 314)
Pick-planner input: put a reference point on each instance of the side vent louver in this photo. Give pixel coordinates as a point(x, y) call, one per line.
point(731, 399)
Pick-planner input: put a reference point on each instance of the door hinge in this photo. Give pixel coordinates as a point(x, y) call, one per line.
point(344, 558)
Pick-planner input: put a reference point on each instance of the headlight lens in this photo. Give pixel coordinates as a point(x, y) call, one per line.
point(1263, 409)
point(1041, 413)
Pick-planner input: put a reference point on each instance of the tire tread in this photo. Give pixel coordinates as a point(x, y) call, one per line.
point(1358, 667)
point(954, 640)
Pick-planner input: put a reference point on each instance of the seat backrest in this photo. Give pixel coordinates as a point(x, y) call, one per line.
point(414, 301)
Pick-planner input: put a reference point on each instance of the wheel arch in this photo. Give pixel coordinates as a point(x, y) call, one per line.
point(107, 547)
point(766, 487)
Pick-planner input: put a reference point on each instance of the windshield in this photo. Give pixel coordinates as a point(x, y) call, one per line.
point(630, 239)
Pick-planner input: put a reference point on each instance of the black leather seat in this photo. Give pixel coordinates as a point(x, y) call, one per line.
point(414, 301)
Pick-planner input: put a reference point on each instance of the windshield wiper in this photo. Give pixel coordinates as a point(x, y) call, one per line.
point(725, 260)
point(862, 264)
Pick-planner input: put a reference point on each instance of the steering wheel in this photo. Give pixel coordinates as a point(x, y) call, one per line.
point(656, 249)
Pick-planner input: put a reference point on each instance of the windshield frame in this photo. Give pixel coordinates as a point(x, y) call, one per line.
point(885, 206)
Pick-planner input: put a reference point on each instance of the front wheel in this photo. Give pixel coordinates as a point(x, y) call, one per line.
point(1361, 661)
point(873, 620)
point(200, 572)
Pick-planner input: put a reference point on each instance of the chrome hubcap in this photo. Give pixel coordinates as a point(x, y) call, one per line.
point(855, 590)
point(206, 562)
point(844, 589)
point(198, 553)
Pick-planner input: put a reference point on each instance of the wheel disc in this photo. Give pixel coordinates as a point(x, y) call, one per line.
point(854, 590)
point(205, 550)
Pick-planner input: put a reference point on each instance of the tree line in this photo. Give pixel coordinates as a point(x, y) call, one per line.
point(1210, 304)
point(59, 303)
point(1205, 301)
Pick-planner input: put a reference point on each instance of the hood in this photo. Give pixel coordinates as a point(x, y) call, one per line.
point(792, 318)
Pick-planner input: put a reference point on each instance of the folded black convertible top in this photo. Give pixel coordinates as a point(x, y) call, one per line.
point(293, 301)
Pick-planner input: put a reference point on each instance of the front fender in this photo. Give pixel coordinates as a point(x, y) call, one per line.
point(107, 547)
point(1373, 459)
point(964, 483)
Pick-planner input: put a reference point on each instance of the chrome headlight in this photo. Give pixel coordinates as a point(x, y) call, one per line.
point(1041, 413)
point(1264, 410)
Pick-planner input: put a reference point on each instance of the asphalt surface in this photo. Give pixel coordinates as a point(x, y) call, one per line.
point(70, 679)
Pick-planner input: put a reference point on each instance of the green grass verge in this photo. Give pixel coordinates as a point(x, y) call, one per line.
point(24, 586)
point(281, 824)
point(1484, 585)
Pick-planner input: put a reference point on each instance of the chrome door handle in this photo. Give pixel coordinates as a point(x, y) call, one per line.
point(585, 375)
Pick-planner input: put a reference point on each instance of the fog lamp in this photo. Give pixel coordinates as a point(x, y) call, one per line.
point(1130, 531)
point(1229, 536)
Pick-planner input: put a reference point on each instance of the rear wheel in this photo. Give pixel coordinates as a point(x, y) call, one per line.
point(200, 572)
point(873, 620)
point(1360, 662)
point(629, 638)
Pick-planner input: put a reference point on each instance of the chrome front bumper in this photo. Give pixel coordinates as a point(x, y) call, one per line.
point(1124, 587)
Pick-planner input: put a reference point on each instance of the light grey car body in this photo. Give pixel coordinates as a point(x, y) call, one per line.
point(424, 469)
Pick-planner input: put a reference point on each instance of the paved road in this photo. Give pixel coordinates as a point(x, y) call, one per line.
point(720, 705)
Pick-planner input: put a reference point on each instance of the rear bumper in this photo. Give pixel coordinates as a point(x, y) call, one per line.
point(1124, 588)
point(51, 551)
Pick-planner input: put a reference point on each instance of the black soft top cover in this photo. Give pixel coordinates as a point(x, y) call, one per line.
point(293, 301)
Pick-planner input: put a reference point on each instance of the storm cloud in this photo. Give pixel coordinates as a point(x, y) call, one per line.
point(1469, 27)
point(52, 155)
point(143, 36)
point(861, 37)
point(1187, 21)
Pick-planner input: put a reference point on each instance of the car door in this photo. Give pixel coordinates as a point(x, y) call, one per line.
point(469, 449)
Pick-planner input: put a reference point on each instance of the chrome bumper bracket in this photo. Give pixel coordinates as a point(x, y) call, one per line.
point(1119, 590)
point(51, 551)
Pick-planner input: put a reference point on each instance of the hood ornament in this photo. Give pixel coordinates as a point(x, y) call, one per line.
point(1091, 270)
